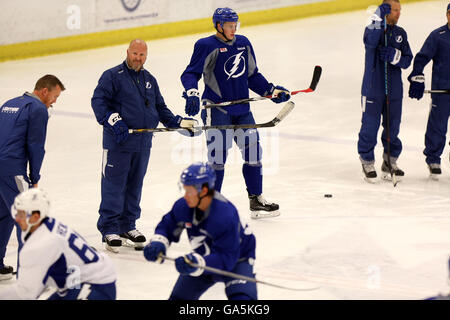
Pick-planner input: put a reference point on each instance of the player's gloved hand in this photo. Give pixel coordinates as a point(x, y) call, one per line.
point(184, 267)
point(383, 10)
point(390, 54)
point(188, 123)
point(416, 85)
point(115, 123)
point(282, 94)
point(153, 250)
point(192, 97)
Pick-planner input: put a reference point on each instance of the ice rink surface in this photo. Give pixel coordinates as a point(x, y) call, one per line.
point(366, 242)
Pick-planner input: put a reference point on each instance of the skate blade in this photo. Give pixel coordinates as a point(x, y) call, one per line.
point(371, 180)
point(387, 176)
point(6, 277)
point(434, 177)
point(112, 249)
point(261, 214)
point(128, 243)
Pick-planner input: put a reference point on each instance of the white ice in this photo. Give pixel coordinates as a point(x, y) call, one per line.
point(366, 242)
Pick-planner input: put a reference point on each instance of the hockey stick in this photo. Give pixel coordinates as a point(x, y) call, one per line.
point(238, 276)
point(437, 91)
point(315, 80)
point(287, 108)
point(388, 129)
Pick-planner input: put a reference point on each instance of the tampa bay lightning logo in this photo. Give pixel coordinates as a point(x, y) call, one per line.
point(235, 66)
point(399, 39)
point(199, 245)
point(130, 5)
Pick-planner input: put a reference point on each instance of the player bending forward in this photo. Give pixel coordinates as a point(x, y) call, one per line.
point(55, 256)
point(216, 234)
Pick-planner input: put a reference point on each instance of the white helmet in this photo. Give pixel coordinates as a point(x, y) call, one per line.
point(33, 199)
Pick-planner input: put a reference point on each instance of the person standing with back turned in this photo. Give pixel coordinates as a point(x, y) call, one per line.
point(436, 48)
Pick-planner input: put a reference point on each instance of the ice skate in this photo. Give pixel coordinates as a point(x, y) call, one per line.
point(370, 174)
point(6, 273)
point(112, 242)
point(386, 174)
point(133, 238)
point(260, 208)
point(435, 170)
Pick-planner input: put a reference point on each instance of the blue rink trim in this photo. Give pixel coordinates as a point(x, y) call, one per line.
point(289, 136)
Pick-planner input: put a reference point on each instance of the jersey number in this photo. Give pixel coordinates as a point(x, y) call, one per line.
point(82, 249)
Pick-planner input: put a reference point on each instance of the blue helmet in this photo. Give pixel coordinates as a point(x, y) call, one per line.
point(222, 15)
point(198, 174)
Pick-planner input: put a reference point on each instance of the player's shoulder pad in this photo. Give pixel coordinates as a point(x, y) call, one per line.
point(242, 40)
point(179, 205)
point(223, 206)
point(205, 42)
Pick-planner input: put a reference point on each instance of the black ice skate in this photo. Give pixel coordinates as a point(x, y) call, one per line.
point(435, 170)
point(112, 242)
point(396, 170)
point(260, 208)
point(6, 273)
point(133, 238)
point(370, 175)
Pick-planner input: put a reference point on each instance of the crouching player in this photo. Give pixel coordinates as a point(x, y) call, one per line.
point(217, 237)
point(55, 256)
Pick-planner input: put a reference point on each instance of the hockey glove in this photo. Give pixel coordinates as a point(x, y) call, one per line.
point(192, 97)
point(187, 123)
point(416, 85)
point(153, 250)
point(184, 267)
point(383, 10)
point(390, 54)
point(115, 123)
point(282, 94)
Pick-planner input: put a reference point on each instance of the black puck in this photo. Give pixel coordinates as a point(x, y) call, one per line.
point(138, 248)
point(327, 195)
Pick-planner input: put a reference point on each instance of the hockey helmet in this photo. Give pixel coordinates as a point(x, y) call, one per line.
point(32, 200)
point(222, 15)
point(197, 175)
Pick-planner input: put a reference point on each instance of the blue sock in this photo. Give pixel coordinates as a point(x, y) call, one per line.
point(253, 178)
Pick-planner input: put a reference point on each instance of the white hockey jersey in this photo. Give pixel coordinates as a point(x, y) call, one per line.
point(54, 255)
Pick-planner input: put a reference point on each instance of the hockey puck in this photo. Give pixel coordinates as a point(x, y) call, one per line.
point(139, 248)
point(327, 195)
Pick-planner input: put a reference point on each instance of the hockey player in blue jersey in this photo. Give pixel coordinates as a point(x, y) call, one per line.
point(23, 130)
point(397, 54)
point(436, 48)
point(217, 237)
point(127, 96)
point(56, 257)
point(228, 66)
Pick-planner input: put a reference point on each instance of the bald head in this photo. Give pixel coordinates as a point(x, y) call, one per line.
point(137, 54)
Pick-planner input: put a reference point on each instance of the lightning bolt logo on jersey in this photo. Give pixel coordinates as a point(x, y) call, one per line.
point(237, 62)
point(229, 70)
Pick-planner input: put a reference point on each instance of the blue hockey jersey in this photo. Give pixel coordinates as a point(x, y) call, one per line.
point(23, 129)
point(373, 85)
point(436, 48)
point(138, 100)
point(229, 70)
point(217, 234)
